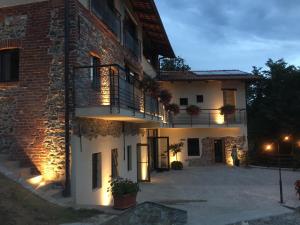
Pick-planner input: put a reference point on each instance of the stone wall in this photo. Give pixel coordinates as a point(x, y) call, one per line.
point(33, 107)
point(7, 115)
point(208, 154)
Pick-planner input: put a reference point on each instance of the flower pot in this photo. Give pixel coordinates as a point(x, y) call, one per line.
point(125, 201)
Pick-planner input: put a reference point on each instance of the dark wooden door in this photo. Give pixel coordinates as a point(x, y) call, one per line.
point(218, 146)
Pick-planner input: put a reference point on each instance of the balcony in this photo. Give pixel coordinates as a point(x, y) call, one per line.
point(133, 44)
point(108, 92)
point(109, 16)
point(208, 118)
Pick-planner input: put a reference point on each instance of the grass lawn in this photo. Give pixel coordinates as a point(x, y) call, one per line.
point(19, 206)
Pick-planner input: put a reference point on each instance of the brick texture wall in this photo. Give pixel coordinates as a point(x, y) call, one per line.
point(32, 109)
point(34, 106)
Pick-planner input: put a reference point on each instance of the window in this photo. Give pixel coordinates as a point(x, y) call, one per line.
point(184, 101)
point(114, 163)
point(129, 158)
point(229, 96)
point(193, 147)
point(96, 171)
point(9, 65)
point(199, 98)
point(95, 72)
point(105, 10)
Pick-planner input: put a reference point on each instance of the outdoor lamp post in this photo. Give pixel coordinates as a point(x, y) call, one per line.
point(269, 148)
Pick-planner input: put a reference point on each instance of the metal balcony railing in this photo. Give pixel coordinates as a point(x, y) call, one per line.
point(111, 86)
point(133, 44)
point(209, 117)
point(109, 16)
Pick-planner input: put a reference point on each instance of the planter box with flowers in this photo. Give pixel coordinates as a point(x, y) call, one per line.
point(227, 110)
point(124, 192)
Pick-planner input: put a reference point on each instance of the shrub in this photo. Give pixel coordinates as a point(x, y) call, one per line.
point(227, 109)
point(121, 187)
point(174, 108)
point(193, 110)
point(165, 97)
point(176, 165)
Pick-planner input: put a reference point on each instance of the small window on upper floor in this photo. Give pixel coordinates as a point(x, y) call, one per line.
point(95, 72)
point(9, 65)
point(184, 101)
point(199, 98)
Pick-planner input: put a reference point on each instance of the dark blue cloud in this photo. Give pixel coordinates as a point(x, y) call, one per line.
point(229, 34)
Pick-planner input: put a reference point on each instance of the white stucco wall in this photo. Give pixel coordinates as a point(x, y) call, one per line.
point(211, 91)
point(82, 167)
point(182, 134)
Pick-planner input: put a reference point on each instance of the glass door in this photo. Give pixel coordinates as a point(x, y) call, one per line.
point(143, 165)
point(159, 153)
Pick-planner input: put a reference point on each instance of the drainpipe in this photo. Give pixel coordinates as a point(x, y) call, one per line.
point(67, 190)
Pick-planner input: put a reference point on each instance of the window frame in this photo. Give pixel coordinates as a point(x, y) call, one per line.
point(96, 171)
point(187, 101)
point(129, 158)
point(198, 146)
point(14, 65)
point(199, 98)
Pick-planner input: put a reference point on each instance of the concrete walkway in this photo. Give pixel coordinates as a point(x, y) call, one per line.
point(221, 195)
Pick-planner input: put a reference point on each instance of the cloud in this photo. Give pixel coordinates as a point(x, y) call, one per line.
point(227, 34)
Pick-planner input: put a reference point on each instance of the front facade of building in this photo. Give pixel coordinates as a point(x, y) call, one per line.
point(116, 128)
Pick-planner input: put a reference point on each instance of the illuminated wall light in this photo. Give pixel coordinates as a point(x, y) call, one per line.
point(219, 119)
point(35, 180)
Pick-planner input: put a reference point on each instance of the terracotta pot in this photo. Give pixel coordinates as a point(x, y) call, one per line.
point(125, 201)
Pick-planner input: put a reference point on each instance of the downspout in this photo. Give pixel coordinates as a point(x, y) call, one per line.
point(67, 190)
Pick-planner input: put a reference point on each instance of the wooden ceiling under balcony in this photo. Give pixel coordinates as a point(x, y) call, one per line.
point(153, 27)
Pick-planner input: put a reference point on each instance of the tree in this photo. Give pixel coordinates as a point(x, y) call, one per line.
point(175, 64)
point(274, 102)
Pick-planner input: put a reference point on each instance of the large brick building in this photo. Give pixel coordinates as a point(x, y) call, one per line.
point(70, 93)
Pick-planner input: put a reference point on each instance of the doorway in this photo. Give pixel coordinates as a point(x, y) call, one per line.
point(159, 153)
point(219, 152)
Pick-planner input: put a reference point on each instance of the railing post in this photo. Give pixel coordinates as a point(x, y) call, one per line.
point(209, 118)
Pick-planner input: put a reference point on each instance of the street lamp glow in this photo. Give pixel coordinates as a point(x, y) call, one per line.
point(286, 138)
point(268, 147)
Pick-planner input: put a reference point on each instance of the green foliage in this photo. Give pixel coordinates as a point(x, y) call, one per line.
point(176, 148)
point(193, 110)
point(273, 103)
point(176, 165)
point(120, 187)
point(151, 86)
point(227, 109)
point(176, 64)
point(165, 96)
point(174, 108)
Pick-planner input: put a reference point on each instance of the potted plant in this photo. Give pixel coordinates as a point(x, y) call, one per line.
point(124, 192)
point(151, 86)
point(175, 149)
point(165, 97)
point(173, 108)
point(227, 109)
point(297, 188)
point(193, 110)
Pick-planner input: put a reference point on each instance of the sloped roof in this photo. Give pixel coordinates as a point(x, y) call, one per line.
point(205, 75)
point(153, 27)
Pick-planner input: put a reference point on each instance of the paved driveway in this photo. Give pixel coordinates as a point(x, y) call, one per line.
point(220, 195)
